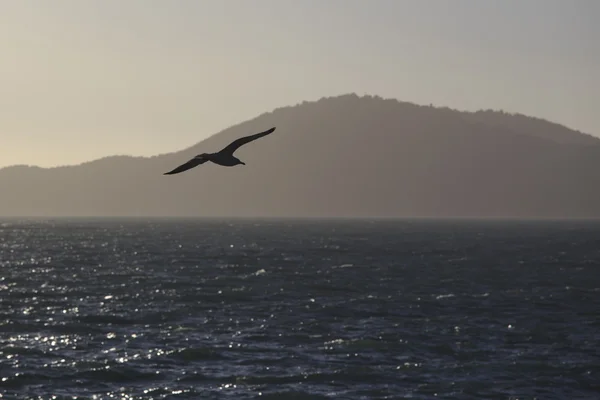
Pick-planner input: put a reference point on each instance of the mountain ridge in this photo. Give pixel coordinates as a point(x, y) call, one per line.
point(343, 156)
point(500, 118)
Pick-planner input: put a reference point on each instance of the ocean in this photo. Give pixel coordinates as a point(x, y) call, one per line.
point(299, 309)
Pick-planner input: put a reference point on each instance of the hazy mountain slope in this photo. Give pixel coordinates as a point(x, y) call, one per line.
point(342, 156)
point(532, 126)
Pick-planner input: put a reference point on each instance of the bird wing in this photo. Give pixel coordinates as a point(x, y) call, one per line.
point(236, 144)
point(194, 162)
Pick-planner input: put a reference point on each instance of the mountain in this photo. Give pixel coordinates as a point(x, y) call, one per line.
point(344, 156)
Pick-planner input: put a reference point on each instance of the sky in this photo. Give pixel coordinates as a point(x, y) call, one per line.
point(84, 79)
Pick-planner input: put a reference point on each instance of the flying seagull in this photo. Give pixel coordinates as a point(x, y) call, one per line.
point(224, 157)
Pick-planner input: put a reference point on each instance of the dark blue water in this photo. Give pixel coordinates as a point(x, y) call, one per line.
point(135, 309)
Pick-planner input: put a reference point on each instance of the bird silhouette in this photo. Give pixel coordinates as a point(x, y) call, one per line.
point(224, 157)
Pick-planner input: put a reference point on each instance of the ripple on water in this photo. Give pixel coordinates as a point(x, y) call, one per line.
point(207, 309)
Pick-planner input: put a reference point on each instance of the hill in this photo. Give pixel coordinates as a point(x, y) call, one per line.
point(344, 156)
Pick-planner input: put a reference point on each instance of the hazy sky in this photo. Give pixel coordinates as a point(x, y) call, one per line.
point(82, 79)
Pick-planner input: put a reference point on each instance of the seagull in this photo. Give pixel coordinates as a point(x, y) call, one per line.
point(224, 157)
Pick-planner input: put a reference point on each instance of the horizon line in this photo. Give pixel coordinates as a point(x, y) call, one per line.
point(303, 218)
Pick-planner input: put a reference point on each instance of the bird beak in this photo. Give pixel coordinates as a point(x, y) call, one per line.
point(243, 163)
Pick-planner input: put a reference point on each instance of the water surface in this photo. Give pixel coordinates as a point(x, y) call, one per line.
point(246, 309)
